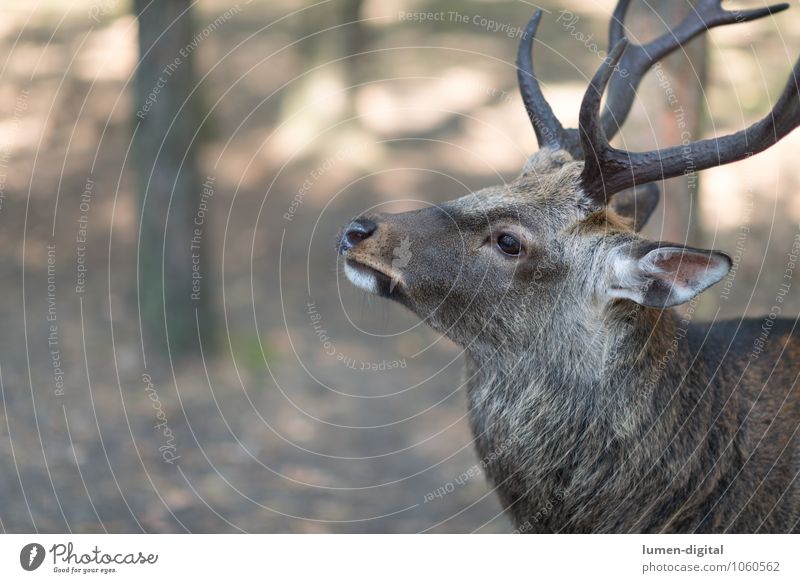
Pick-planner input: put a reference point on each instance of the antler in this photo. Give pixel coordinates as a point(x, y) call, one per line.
point(635, 63)
point(608, 170)
point(549, 131)
point(638, 59)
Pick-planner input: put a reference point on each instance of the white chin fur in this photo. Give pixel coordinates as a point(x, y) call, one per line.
point(365, 281)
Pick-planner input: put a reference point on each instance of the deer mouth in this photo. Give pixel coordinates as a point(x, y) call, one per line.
point(371, 277)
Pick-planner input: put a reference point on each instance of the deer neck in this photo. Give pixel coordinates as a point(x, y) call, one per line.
point(612, 370)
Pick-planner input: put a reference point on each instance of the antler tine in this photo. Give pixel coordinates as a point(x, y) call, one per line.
point(616, 27)
point(549, 131)
point(639, 58)
point(608, 170)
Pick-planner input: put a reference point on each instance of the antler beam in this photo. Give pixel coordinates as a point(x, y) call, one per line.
point(608, 170)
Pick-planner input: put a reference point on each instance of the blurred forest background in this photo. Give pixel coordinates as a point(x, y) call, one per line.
point(215, 149)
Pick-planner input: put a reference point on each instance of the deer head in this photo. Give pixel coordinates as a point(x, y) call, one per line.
point(558, 246)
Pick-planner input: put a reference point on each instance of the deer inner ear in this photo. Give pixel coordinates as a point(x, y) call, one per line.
point(662, 276)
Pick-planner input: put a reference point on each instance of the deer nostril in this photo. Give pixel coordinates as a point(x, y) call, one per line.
point(356, 232)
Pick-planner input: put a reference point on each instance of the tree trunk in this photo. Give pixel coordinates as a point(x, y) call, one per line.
point(168, 184)
point(339, 47)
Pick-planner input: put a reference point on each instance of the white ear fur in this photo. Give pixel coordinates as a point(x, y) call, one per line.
point(666, 276)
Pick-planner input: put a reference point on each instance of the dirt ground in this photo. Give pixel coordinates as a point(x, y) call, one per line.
point(318, 409)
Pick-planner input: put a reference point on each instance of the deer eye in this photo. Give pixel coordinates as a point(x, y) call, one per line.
point(509, 245)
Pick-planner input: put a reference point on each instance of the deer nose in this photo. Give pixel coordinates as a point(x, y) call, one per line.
point(356, 232)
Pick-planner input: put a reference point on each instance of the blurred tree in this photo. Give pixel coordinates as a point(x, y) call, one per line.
point(332, 33)
point(168, 183)
point(685, 71)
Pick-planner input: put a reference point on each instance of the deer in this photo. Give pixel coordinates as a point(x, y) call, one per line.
point(596, 405)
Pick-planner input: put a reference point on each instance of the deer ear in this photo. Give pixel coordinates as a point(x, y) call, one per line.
point(637, 203)
point(661, 275)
